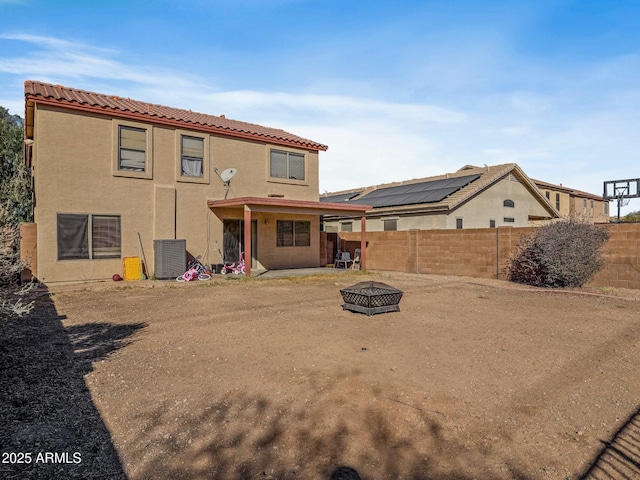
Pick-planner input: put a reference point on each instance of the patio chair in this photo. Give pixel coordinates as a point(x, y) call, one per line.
point(356, 259)
point(343, 260)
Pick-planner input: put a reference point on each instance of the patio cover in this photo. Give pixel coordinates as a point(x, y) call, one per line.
point(304, 207)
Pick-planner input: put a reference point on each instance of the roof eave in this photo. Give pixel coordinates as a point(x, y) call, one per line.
point(218, 130)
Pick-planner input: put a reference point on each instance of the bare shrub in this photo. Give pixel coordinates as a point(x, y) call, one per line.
point(10, 264)
point(562, 254)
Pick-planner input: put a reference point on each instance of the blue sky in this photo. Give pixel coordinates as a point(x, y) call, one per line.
point(397, 89)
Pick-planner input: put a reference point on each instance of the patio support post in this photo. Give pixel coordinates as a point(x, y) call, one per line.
point(247, 241)
point(363, 242)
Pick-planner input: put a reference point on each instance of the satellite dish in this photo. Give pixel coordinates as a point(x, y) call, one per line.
point(226, 177)
point(228, 174)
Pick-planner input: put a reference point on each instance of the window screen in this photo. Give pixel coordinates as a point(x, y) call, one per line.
point(285, 233)
point(192, 156)
point(286, 165)
point(132, 148)
point(390, 225)
point(296, 166)
point(302, 234)
point(73, 236)
point(88, 236)
point(509, 203)
point(105, 236)
point(292, 233)
point(458, 223)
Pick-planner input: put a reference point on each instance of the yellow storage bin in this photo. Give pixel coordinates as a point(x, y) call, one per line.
point(131, 267)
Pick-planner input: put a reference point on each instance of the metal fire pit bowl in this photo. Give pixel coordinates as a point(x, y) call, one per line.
point(371, 298)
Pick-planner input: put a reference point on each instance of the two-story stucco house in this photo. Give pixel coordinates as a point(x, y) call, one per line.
point(576, 204)
point(108, 171)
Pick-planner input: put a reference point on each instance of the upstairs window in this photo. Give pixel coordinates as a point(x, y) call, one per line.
point(458, 223)
point(286, 165)
point(132, 154)
point(557, 201)
point(132, 148)
point(509, 203)
point(191, 156)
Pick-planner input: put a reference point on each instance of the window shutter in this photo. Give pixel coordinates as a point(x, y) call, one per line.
point(278, 164)
point(296, 166)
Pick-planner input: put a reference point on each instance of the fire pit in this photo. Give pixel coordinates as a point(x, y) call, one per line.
point(371, 298)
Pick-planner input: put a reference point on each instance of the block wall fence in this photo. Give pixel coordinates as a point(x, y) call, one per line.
point(485, 252)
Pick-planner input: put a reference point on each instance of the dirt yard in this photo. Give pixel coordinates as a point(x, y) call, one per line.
point(271, 379)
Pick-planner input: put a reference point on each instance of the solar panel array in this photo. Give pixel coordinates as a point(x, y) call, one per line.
point(339, 198)
point(416, 193)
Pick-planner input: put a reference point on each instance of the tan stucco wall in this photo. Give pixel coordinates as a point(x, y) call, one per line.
point(489, 205)
point(589, 213)
point(73, 168)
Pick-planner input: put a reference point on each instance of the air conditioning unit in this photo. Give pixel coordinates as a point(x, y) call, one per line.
point(170, 258)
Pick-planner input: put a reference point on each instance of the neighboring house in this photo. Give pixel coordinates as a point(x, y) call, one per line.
point(108, 170)
point(576, 204)
point(472, 197)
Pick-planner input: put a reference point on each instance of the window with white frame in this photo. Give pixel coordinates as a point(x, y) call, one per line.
point(85, 236)
point(287, 165)
point(191, 156)
point(293, 233)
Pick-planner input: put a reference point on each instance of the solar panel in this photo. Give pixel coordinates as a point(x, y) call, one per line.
point(342, 197)
point(416, 193)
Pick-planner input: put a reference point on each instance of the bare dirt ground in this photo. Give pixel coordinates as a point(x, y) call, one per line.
point(271, 379)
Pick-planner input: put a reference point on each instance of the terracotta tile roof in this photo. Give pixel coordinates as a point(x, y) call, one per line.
point(134, 109)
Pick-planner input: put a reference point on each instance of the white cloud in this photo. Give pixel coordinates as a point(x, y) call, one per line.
point(578, 141)
point(65, 60)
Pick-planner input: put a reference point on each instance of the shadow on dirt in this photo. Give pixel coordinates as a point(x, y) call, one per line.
point(49, 426)
point(330, 436)
point(620, 456)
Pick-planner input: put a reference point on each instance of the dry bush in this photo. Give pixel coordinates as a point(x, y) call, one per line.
point(562, 254)
point(10, 264)
point(10, 268)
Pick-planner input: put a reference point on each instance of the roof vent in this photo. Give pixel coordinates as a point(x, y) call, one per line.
point(222, 116)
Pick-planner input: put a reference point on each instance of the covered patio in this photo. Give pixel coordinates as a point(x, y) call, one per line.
point(246, 207)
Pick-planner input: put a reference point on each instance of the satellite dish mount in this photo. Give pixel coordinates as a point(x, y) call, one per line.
point(226, 177)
